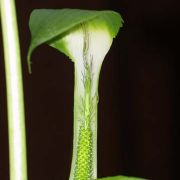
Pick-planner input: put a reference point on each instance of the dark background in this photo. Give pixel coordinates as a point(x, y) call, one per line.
point(137, 125)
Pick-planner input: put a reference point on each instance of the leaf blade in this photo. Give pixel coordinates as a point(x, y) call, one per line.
point(121, 178)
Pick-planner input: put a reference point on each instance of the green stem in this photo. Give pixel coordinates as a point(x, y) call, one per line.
point(15, 99)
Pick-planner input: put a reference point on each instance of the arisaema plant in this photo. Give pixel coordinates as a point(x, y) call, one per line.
point(85, 37)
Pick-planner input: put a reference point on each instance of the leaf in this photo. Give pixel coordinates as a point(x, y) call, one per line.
point(47, 25)
point(121, 178)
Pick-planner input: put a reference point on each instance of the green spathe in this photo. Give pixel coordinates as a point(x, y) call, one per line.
point(85, 37)
point(47, 24)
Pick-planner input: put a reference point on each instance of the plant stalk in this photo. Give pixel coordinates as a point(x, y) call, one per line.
point(15, 98)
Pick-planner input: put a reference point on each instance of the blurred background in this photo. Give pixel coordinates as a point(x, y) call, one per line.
point(137, 120)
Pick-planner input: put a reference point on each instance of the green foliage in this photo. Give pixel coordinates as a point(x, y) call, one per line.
point(121, 178)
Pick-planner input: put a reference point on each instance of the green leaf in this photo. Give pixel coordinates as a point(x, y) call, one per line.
point(47, 25)
point(121, 178)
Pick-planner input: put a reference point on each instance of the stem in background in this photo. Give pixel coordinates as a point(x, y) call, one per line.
point(15, 99)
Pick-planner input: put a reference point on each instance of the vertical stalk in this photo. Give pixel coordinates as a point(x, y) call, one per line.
point(15, 99)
